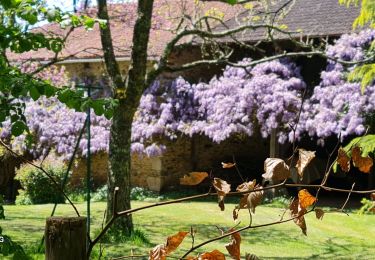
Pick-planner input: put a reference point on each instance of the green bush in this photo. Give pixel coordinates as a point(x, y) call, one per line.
point(368, 207)
point(100, 194)
point(37, 187)
point(22, 198)
point(142, 194)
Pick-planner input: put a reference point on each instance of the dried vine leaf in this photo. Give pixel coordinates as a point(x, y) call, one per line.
point(222, 188)
point(193, 178)
point(297, 213)
point(159, 252)
point(304, 158)
point(174, 241)
point(305, 198)
point(235, 213)
point(246, 186)
point(242, 205)
point(364, 164)
point(234, 246)
point(275, 169)
point(372, 196)
point(214, 255)
point(228, 165)
point(319, 213)
point(343, 160)
point(255, 198)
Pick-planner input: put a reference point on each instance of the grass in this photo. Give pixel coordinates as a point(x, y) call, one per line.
point(338, 236)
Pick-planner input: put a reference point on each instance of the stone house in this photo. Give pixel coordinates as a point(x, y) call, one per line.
point(318, 19)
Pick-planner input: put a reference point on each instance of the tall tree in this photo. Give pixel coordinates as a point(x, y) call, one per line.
point(128, 91)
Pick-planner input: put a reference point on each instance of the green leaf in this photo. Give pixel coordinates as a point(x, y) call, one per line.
point(98, 108)
point(108, 113)
point(18, 128)
point(49, 90)
point(34, 93)
point(232, 2)
point(89, 22)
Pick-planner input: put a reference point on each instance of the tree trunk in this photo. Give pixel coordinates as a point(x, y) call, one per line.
point(65, 238)
point(128, 93)
point(119, 166)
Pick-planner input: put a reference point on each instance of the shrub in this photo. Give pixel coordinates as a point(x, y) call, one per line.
point(38, 188)
point(100, 194)
point(142, 194)
point(368, 207)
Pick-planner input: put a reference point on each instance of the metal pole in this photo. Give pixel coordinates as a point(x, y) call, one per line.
point(88, 180)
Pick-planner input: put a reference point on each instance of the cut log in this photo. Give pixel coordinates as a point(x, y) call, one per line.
point(65, 238)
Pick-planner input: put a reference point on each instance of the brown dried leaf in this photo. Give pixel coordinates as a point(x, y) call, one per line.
point(275, 169)
point(372, 196)
point(241, 205)
point(222, 188)
point(159, 252)
point(174, 241)
point(234, 246)
point(297, 213)
point(305, 198)
point(235, 213)
point(214, 255)
point(193, 178)
point(228, 165)
point(364, 164)
point(255, 198)
point(343, 160)
point(246, 186)
point(319, 213)
point(305, 157)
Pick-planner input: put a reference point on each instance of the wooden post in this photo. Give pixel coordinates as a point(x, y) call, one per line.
point(65, 238)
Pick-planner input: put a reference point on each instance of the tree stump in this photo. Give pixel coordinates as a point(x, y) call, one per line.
point(65, 238)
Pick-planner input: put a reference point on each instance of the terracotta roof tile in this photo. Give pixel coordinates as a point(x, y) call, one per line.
point(82, 44)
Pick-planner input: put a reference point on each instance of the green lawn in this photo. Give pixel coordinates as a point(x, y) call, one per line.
point(338, 236)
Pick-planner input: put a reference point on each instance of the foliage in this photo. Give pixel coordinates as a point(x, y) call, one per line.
point(23, 198)
point(100, 194)
point(277, 202)
point(368, 207)
point(367, 14)
point(7, 245)
point(16, 85)
point(2, 216)
point(142, 194)
point(54, 126)
point(363, 73)
point(12, 249)
point(366, 143)
point(38, 187)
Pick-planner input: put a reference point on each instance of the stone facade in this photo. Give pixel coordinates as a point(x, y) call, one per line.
point(181, 157)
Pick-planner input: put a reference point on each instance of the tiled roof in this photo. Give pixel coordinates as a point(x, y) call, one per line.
point(313, 18)
point(83, 44)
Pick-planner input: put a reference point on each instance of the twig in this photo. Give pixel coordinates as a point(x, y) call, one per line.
point(236, 167)
point(347, 199)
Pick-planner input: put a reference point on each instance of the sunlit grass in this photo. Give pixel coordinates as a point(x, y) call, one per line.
point(338, 236)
